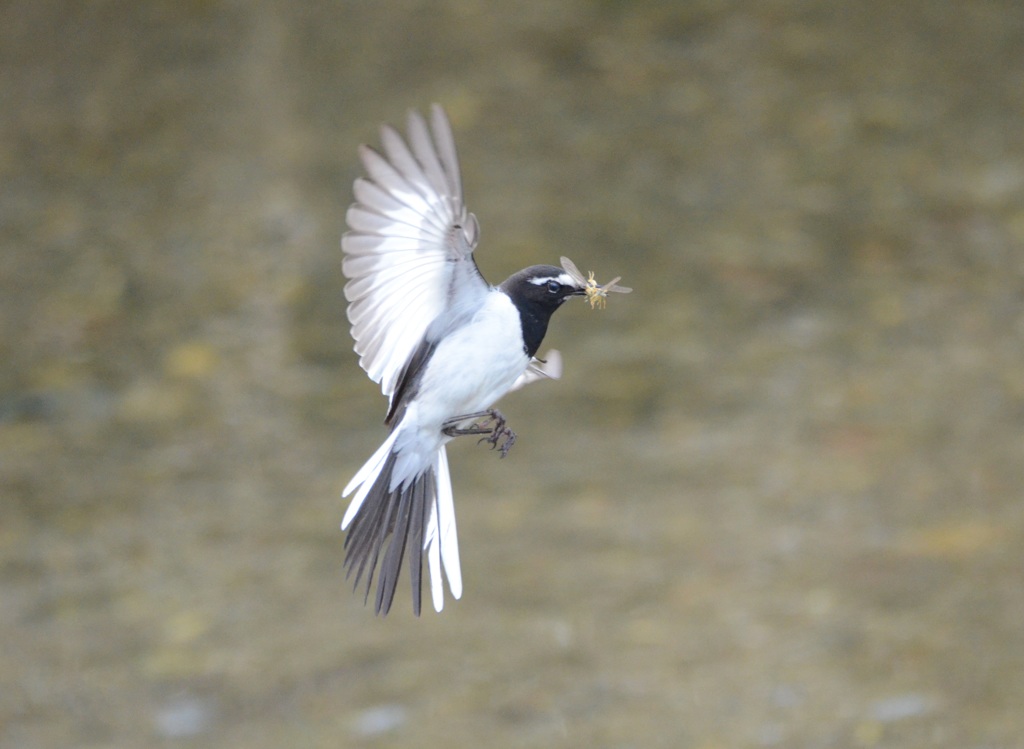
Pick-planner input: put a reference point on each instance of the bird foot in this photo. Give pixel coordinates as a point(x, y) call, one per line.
point(500, 433)
point(491, 424)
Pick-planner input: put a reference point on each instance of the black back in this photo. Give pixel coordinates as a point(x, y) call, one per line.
point(537, 292)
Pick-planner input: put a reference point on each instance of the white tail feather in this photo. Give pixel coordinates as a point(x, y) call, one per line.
point(449, 536)
point(364, 479)
point(440, 539)
point(434, 561)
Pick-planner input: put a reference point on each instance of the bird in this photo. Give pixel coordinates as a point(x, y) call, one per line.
point(444, 345)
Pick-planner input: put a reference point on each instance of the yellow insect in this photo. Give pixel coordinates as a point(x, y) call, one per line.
point(596, 294)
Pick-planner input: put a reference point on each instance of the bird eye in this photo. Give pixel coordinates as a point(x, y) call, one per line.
point(554, 287)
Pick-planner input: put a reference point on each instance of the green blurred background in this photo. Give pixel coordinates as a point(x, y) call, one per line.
point(775, 500)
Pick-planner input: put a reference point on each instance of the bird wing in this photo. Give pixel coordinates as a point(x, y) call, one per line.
point(409, 248)
point(540, 369)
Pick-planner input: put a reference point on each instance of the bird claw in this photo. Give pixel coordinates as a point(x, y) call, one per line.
point(493, 427)
point(499, 431)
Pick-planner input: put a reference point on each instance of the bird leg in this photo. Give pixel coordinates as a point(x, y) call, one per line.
point(490, 423)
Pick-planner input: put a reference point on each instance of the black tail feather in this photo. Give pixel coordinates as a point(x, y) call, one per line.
point(362, 543)
point(402, 516)
point(392, 564)
point(420, 513)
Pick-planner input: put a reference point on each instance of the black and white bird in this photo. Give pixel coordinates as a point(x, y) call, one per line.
point(443, 343)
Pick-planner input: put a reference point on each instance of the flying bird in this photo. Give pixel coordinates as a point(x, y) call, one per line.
point(443, 344)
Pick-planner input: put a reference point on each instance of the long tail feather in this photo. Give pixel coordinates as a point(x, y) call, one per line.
point(417, 516)
point(371, 469)
point(448, 539)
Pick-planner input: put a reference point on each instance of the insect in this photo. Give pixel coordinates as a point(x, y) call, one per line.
point(596, 295)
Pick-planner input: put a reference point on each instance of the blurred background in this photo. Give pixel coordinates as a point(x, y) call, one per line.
point(774, 501)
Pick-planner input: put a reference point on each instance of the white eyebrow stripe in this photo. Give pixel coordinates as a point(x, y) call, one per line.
point(563, 278)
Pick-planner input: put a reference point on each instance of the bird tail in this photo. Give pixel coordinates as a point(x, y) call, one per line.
point(419, 514)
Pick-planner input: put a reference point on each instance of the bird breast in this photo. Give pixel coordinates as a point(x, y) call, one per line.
point(474, 365)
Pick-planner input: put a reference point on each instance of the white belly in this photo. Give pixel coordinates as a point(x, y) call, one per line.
point(474, 366)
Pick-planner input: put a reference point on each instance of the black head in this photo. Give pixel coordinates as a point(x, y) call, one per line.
point(537, 292)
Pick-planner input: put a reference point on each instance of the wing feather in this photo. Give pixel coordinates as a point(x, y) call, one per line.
point(409, 234)
point(446, 150)
point(420, 140)
point(391, 180)
point(405, 163)
point(373, 198)
point(372, 223)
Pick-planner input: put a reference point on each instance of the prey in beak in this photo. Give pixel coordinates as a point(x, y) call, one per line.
point(596, 294)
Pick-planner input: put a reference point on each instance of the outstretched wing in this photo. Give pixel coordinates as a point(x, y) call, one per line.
point(409, 251)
